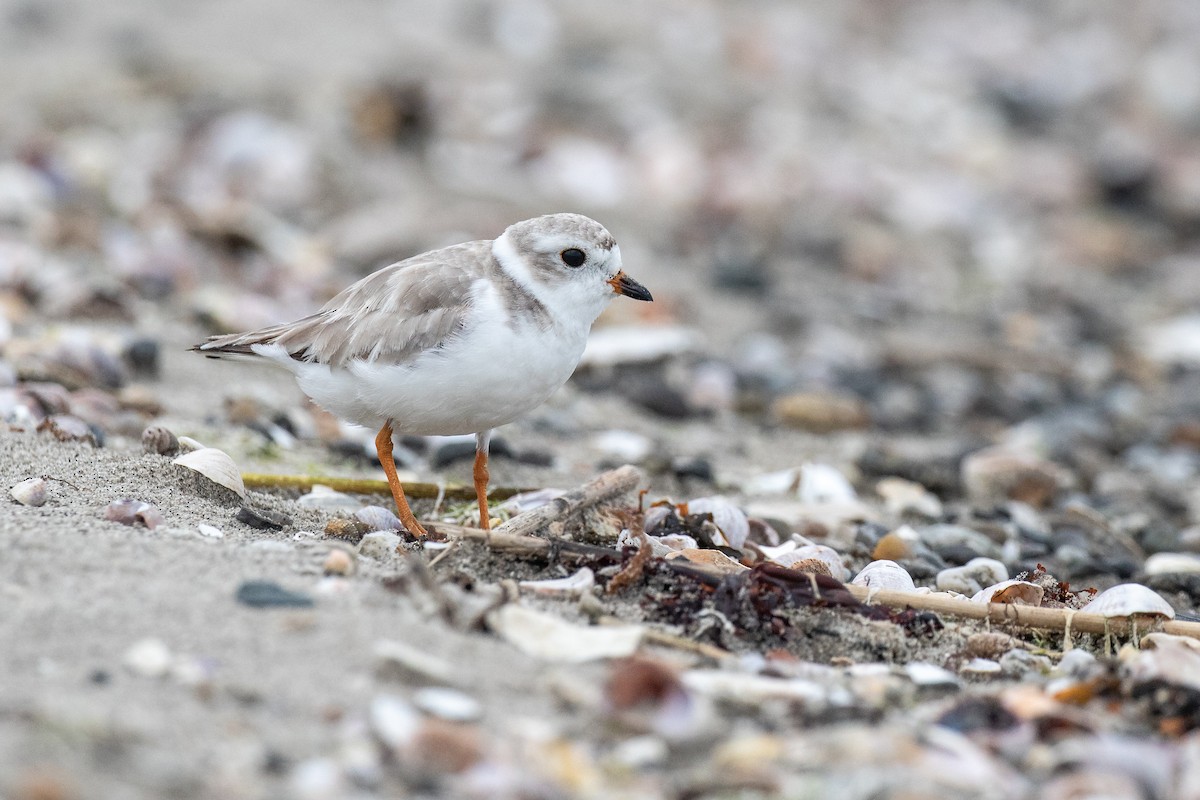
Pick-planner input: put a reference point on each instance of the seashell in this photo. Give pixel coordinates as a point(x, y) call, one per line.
point(730, 520)
point(571, 586)
point(30, 492)
point(393, 720)
point(821, 483)
point(217, 466)
point(550, 638)
point(131, 512)
point(972, 577)
point(655, 516)
point(527, 501)
point(1022, 593)
point(902, 496)
point(712, 562)
point(158, 440)
point(377, 518)
point(210, 531)
point(884, 574)
point(819, 552)
point(1168, 563)
point(187, 444)
point(1129, 600)
point(326, 499)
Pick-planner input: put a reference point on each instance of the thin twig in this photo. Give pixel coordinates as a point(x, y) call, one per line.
point(527, 546)
point(603, 487)
point(420, 491)
point(1054, 619)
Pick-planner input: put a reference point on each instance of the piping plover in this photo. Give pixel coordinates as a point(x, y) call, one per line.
point(453, 341)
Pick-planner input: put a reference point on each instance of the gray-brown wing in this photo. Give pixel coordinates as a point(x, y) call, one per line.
point(392, 315)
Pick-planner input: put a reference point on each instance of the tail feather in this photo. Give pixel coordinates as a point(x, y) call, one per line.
point(238, 345)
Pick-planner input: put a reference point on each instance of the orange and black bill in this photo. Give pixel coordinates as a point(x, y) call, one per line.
point(623, 284)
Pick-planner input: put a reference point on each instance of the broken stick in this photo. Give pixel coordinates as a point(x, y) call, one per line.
point(603, 487)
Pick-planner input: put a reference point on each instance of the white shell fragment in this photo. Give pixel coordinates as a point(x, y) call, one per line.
point(448, 704)
point(571, 586)
point(552, 639)
point(884, 574)
point(31, 492)
point(1170, 563)
point(217, 466)
point(1021, 593)
point(379, 518)
point(729, 519)
point(1128, 600)
point(327, 499)
point(823, 553)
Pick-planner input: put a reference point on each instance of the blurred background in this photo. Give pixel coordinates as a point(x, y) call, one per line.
point(929, 217)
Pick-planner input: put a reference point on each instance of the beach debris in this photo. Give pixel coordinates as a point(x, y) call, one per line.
point(30, 492)
point(338, 562)
point(131, 512)
point(452, 705)
point(884, 574)
point(730, 521)
point(376, 518)
point(158, 440)
point(1011, 591)
point(551, 638)
point(1130, 601)
point(268, 594)
point(379, 545)
point(263, 519)
point(149, 658)
point(972, 577)
point(573, 585)
point(217, 466)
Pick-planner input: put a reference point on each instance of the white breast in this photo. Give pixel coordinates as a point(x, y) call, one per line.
point(498, 370)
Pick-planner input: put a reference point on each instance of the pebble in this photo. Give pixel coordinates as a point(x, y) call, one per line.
point(972, 577)
point(1165, 563)
point(902, 497)
point(210, 531)
point(379, 545)
point(263, 519)
point(338, 562)
point(821, 412)
point(150, 658)
point(984, 668)
point(267, 594)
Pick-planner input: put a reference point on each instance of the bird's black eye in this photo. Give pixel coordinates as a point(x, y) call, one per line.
point(573, 257)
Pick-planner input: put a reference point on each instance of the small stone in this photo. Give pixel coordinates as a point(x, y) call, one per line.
point(997, 473)
point(981, 668)
point(150, 658)
point(972, 577)
point(31, 492)
point(348, 530)
point(821, 412)
point(338, 562)
point(263, 519)
point(267, 594)
point(901, 497)
point(379, 545)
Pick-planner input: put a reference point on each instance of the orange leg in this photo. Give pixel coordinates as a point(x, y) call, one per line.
point(383, 447)
point(482, 440)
